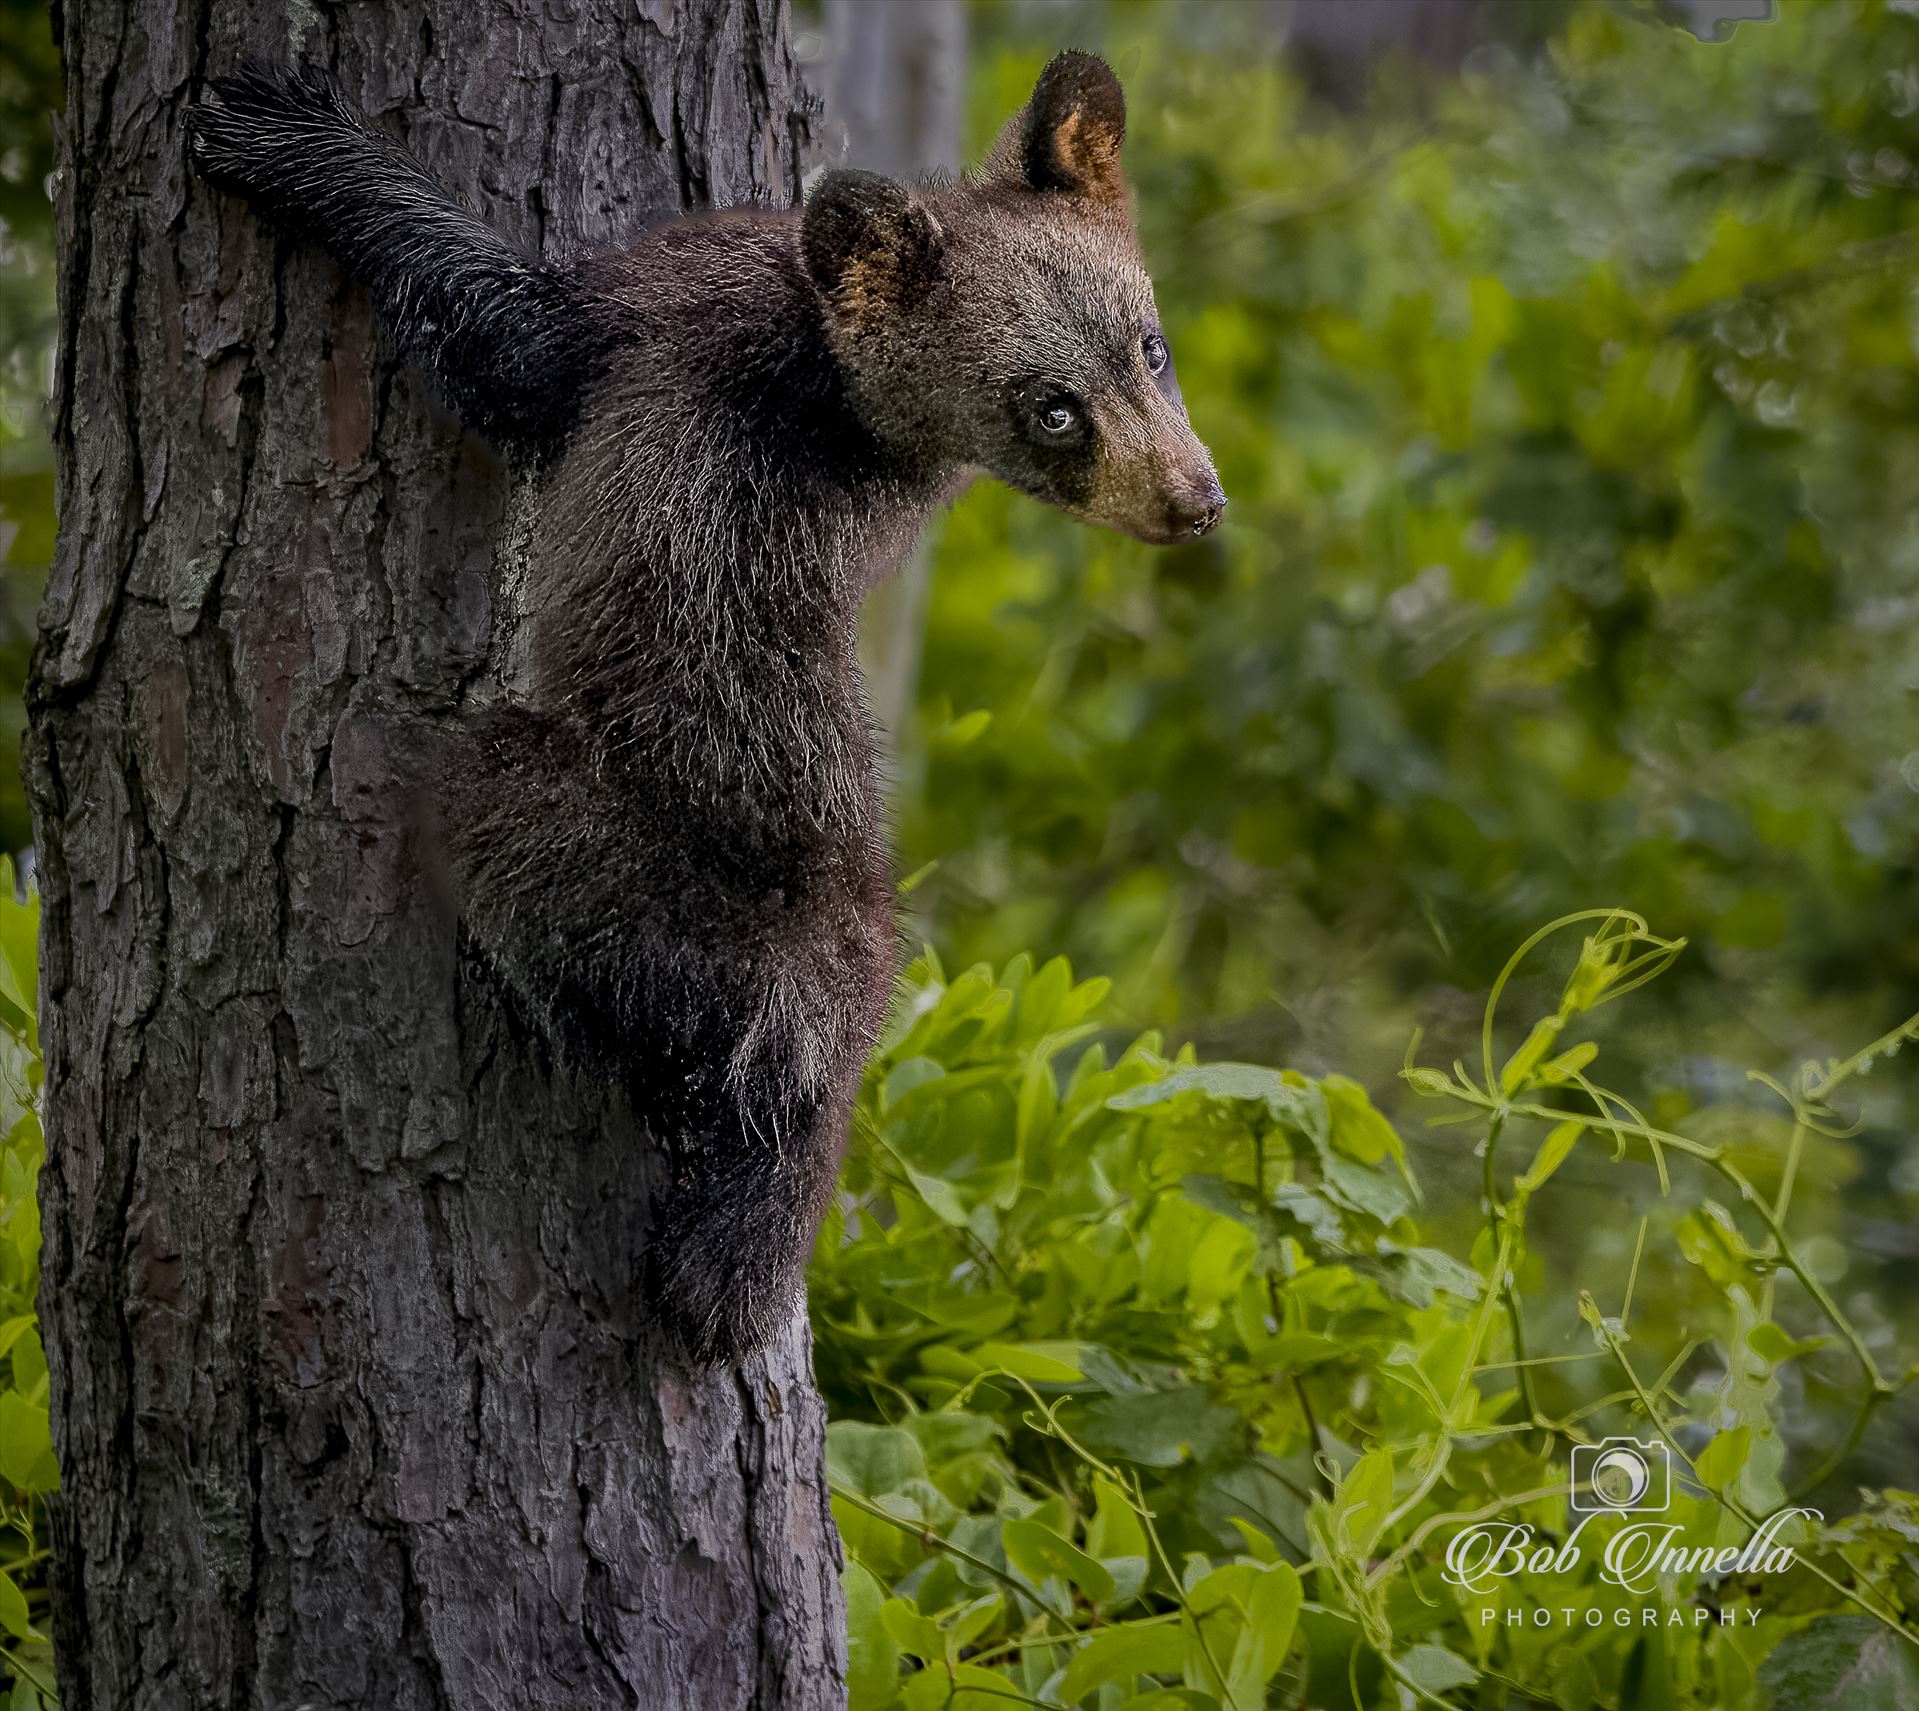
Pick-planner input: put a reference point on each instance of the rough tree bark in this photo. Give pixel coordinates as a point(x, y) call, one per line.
point(354, 1400)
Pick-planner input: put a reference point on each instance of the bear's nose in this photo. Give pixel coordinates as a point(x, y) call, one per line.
point(1197, 511)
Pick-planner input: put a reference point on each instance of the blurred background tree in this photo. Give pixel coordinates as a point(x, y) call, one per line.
point(29, 93)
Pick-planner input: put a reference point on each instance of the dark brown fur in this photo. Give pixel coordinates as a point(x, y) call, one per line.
point(672, 847)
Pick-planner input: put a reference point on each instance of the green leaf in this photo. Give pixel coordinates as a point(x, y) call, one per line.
point(871, 1460)
point(942, 1198)
point(873, 1656)
point(1416, 1275)
point(1258, 1546)
point(1227, 1081)
point(1384, 1195)
point(1037, 1363)
point(966, 1688)
point(1847, 1663)
point(30, 1366)
point(967, 728)
point(1039, 1002)
point(1121, 1654)
point(916, 1635)
point(1248, 1613)
point(1724, 1459)
point(14, 1616)
point(1038, 1104)
point(1520, 1066)
point(12, 1331)
point(1291, 1211)
point(1337, 1656)
point(1436, 1669)
point(19, 946)
point(1158, 1428)
point(1115, 1529)
point(892, 1551)
point(1712, 1241)
point(1552, 1154)
point(1358, 1128)
point(1363, 1501)
point(1646, 1683)
point(966, 1624)
point(1272, 1616)
point(1775, 1347)
point(1040, 1553)
point(1568, 1064)
point(963, 1454)
point(1129, 1580)
point(26, 1446)
point(908, 1077)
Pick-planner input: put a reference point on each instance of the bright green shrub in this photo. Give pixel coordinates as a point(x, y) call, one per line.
point(1147, 1392)
point(27, 1471)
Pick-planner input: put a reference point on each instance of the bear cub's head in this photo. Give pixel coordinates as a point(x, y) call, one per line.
point(1006, 322)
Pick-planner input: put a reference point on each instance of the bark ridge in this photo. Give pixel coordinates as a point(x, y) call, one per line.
point(354, 1401)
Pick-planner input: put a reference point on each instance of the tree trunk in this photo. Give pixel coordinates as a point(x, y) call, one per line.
point(355, 1401)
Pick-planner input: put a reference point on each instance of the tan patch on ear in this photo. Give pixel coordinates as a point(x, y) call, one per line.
point(867, 288)
point(1067, 137)
point(878, 281)
point(1088, 157)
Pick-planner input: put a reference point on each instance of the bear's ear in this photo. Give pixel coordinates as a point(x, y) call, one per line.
point(1067, 138)
point(870, 248)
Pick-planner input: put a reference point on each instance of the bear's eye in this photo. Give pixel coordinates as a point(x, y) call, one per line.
point(1050, 415)
point(1153, 347)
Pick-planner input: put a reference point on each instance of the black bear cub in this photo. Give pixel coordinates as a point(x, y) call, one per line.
point(673, 848)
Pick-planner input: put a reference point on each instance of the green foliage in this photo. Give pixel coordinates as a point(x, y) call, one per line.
point(1148, 1390)
point(1568, 411)
point(28, 1475)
